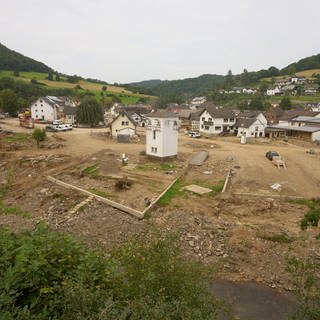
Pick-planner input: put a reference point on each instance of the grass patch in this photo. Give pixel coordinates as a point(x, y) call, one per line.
point(171, 193)
point(17, 137)
point(216, 188)
point(92, 170)
point(99, 193)
point(280, 238)
point(4, 210)
point(167, 166)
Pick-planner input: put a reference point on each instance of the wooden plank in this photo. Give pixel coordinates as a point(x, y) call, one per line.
point(111, 203)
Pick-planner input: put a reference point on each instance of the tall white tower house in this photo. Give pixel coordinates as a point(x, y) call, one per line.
point(162, 134)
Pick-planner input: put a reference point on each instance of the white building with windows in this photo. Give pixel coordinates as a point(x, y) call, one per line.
point(251, 124)
point(122, 124)
point(215, 120)
point(45, 109)
point(162, 134)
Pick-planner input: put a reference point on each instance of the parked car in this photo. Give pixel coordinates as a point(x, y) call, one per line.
point(2, 116)
point(194, 134)
point(68, 126)
point(51, 128)
point(271, 154)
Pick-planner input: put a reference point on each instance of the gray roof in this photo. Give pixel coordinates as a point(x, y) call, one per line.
point(291, 114)
point(162, 114)
point(196, 115)
point(67, 110)
point(249, 113)
point(296, 128)
point(306, 119)
point(185, 113)
point(245, 122)
point(218, 112)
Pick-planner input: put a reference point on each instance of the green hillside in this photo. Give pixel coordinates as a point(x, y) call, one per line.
point(12, 60)
point(189, 86)
point(209, 82)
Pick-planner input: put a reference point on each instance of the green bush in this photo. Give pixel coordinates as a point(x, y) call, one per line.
point(48, 275)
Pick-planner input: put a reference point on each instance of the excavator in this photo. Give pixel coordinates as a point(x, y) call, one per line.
point(25, 119)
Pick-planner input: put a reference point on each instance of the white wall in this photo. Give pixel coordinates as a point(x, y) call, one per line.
point(217, 126)
point(42, 110)
point(257, 129)
point(162, 137)
point(121, 123)
point(316, 136)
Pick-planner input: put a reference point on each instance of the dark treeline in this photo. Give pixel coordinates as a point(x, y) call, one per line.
point(11, 60)
point(207, 83)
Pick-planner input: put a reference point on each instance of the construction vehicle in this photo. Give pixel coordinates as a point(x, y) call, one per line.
point(25, 119)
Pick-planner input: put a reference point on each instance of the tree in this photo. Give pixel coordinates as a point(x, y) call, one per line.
point(50, 76)
point(16, 73)
point(104, 88)
point(256, 103)
point(285, 103)
point(39, 135)
point(90, 112)
point(263, 87)
point(8, 101)
point(57, 77)
point(229, 80)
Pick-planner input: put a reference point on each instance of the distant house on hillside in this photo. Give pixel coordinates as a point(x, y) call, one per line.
point(215, 120)
point(122, 125)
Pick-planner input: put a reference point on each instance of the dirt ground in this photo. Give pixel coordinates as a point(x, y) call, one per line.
point(235, 230)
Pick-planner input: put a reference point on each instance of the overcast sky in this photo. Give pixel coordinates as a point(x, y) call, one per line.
point(133, 40)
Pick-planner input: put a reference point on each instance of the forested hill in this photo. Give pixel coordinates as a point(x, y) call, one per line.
point(208, 82)
point(195, 86)
point(11, 60)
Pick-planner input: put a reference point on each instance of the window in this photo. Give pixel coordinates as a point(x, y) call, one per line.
point(210, 119)
point(36, 110)
point(217, 128)
point(122, 123)
point(202, 126)
point(206, 127)
point(41, 110)
point(41, 101)
point(127, 123)
point(225, 120)
point(203, 119)
point(35, 104)
point(154, 149)
point(231, 119)
point(154, 134)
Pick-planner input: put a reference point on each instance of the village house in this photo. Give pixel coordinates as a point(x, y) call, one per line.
point(215, 120)
point(273, 91)
point(251, 124)
point(288, 115)
point(122, 125)
point(50, 108)
point(305, 126)
point(162, 134)
point(197, 102)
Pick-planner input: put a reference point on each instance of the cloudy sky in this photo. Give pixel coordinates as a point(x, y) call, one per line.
point(133, 40)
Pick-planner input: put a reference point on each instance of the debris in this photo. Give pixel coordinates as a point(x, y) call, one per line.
point(199, 158)
point(123, 184)
point(197, 189)
point(276, 186)
point(311, 151)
